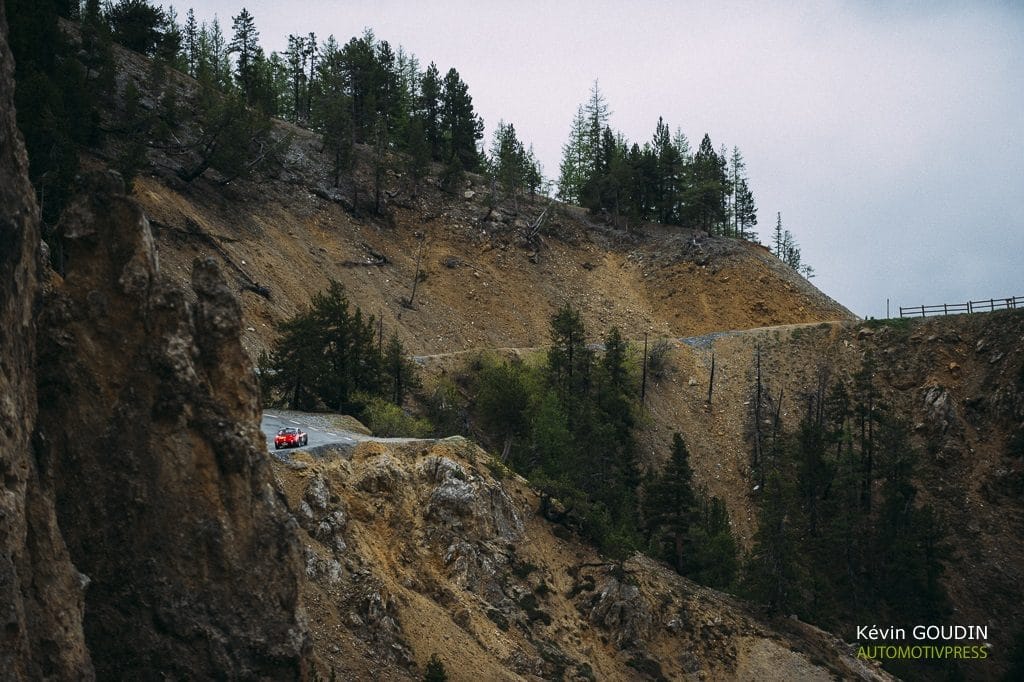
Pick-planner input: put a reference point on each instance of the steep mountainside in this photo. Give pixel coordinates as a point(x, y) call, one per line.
point(40, 591)
point(485, 283)
point(146, 532)
point(132, 450)
point(430, 548)
point(958, 381)
point(148, 424)
point(491, 279)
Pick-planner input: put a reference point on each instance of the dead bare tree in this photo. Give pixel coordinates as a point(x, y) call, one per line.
point(534, 229)
point(643, 382)
point(757, 411)
point(711, 381)
point(416, 277)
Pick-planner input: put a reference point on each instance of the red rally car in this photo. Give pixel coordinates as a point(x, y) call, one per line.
point(290, 437)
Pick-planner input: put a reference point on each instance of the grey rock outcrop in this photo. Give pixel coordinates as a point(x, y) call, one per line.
point(148, 424)
point(41, 592)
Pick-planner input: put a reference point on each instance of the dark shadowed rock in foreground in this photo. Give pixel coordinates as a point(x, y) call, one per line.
point(149, 421)
point(40, 591)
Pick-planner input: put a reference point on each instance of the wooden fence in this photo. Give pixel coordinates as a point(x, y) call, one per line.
point(986, 306)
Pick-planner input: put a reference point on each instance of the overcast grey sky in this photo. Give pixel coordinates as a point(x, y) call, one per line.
point(891, 138)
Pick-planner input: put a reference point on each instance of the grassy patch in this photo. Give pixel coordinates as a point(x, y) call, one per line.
point(499, 470)
point(902, 324)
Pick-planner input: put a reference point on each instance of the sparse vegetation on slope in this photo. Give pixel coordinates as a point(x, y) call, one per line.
point(953, 382)
point(417, 550)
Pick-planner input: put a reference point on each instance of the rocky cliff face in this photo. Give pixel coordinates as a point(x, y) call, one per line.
point(148, 422)
point(430, 547)
point(40, 591)
point(131, 449)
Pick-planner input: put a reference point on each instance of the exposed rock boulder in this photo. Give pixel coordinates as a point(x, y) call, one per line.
point(939, 408)
point(383, 476)
point(459, 500)
point(148, 424)
point(620, 609)
point(41, 593)
point(320, 517)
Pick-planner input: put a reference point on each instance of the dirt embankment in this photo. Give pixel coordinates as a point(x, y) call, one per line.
point(486, 280)
point(958, 381)
point(432, 548)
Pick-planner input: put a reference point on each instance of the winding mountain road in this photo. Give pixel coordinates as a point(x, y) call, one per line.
point(321, 428)
point(317, 426)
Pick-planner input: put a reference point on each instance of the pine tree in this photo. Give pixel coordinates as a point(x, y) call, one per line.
point(670, 507)
point(390, 95)
point(170, 48)
point(217, 59)
point(669, 175)
point(502, 406)
point(569, 360)
point(191, 42)
point(418, 153)
point(609, 190)
point(787, 249)
point(336, 122)
point(92, 15)
point(295, 60)
point(774, 574)
point(777, 239)
point(509, 162)
point(461, 127)
point(407, 67)
point(136, 24)
point(737, 178)
point(361, 77)
point(233, 138)
point(56, 97)
point(726, 189)
point(245, 46)
point(380, 159)
point(534, 178)
point(615, 398)
point(311, 80)
point(705, 197)
point(597, 116)
point(296, 362)
point(745, 211)
point(574, 169)
point(349, 348)
point(399, 371)
point(713, 557)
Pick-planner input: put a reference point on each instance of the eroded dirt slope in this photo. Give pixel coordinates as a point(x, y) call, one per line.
point(958, 381)
point(423, 548)
point(484, 281)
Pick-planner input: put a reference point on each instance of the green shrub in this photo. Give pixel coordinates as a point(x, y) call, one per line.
point(389, 420)
point(658, 363)
point(435, 671)
point(446, 408)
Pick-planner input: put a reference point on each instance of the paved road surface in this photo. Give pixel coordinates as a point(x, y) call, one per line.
point(319, 432)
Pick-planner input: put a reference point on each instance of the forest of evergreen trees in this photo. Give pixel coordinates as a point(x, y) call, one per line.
point(842, 537)
point(331, 356)
point(363, 92)
point(569, 425)
point(662, 180)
